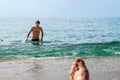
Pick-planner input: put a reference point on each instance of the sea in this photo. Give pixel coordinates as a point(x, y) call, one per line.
point(63, 38)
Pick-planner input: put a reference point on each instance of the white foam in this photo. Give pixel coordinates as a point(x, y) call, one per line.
point(117, 52)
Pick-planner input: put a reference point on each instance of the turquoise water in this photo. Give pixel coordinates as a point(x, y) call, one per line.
point(64, 37)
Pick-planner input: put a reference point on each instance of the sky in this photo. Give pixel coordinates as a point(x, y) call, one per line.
point(59, 8)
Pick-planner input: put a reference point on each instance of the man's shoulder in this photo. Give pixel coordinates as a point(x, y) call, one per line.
point(33, 27)
point(40, 27)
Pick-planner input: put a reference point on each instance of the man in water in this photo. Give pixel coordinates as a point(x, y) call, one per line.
point(36, 30)
point(79, 70)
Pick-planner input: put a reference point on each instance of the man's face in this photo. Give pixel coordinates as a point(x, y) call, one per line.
point(37, 24)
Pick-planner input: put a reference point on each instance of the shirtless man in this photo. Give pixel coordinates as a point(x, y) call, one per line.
point(36, 30)
point(79, 70)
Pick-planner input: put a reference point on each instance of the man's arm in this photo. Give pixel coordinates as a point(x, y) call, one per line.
point(42, 34)
point(28, 35)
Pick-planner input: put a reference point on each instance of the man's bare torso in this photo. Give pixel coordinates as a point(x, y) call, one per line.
point(36, 32)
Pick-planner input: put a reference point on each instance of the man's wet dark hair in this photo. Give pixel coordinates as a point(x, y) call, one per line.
point(37, 22)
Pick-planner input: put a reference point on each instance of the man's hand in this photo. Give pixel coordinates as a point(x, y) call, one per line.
point(26, 40)
point(42, 39)
point(28, 35)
